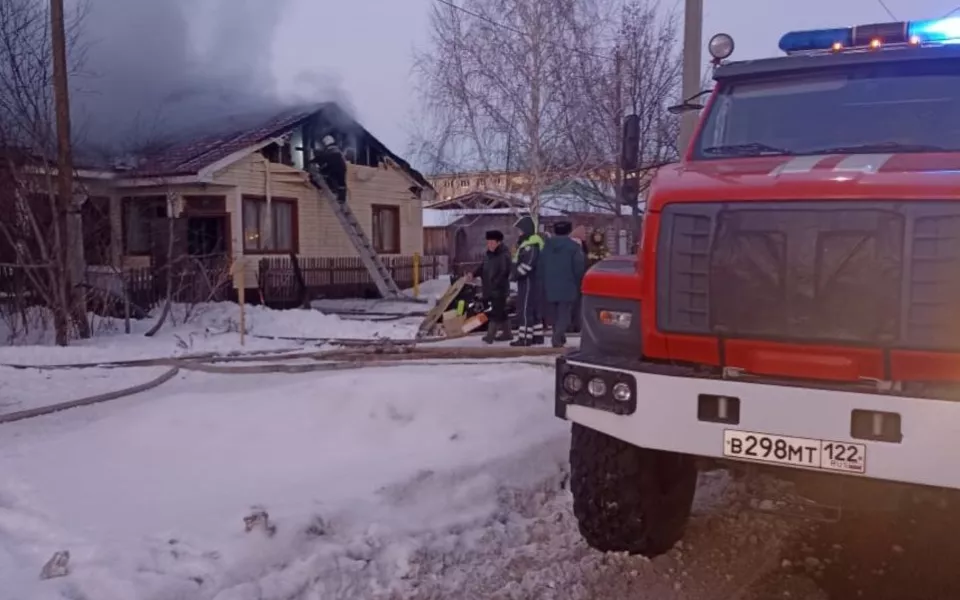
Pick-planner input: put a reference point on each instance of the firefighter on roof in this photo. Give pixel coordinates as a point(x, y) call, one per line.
point(530, 330)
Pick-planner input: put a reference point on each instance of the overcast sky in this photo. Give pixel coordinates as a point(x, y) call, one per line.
point(364, 47)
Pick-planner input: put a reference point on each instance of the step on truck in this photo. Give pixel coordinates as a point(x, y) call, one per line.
point(795, 300)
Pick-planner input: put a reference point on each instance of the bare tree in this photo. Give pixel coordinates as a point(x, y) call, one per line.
point(493, 83)
point(33, 225)
point(643, 79)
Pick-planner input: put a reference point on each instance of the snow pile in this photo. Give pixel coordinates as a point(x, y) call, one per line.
point(210, 327)
point(302, 323)
point(360, 471)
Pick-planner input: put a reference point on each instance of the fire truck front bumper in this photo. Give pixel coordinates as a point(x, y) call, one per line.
point(856, 433)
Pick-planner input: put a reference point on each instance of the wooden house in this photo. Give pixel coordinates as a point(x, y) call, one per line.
point(240, 190)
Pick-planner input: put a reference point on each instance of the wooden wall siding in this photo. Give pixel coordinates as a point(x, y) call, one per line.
point(436, 241)
point(318, 232)
point(249, 177)
point(370, 186)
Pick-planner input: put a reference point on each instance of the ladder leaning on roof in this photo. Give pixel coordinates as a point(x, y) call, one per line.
point(381, 276)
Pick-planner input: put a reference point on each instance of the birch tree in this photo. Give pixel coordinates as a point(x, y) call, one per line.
point(493, 80)
point(643, 78)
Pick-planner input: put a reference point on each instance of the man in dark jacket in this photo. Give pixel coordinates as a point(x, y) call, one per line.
point(561, 269)
point(530, 330)
point(333, 167)
point(494, 274)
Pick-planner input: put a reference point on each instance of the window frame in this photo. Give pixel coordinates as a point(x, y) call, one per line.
point(294, 224)
point(375, 210)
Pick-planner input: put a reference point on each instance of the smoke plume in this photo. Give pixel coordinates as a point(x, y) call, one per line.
point(156, 70)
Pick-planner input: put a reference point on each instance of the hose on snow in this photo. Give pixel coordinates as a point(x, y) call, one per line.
point(30, 413)
point(325, 360)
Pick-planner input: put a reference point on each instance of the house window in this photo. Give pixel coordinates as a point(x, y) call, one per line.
point(464, 182)
point(281, 226)
point(386, 229)
point(139, 213)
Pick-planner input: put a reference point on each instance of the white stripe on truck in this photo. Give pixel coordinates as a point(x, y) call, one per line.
point(862, 163)
point(797, 164)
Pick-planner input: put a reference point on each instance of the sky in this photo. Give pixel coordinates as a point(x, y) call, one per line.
point(356, 52)
point(365, 46)
point(365, 49)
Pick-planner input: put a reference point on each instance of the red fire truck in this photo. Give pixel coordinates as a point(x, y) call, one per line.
point(795, 301)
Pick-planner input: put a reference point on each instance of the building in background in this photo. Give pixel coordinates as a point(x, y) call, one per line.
point(456, 228)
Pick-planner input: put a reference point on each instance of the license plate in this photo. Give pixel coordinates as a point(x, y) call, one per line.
point(827, 455)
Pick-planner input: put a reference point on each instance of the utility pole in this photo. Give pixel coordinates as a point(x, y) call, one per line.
point(618, 133)
point(692, 44)
point(70, 236)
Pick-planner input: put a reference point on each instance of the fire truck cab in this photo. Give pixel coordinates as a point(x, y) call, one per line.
point(795, 301)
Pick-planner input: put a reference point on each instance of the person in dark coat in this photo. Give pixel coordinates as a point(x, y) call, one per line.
point(525, 261)
point(561, 269)
point(333, 167)
point(494, 274)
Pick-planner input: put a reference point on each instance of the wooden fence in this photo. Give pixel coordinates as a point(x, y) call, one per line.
point(337, 276)
point(195, 280)
point(208, 281)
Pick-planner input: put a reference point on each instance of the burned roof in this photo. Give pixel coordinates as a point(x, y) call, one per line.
point(190, 154)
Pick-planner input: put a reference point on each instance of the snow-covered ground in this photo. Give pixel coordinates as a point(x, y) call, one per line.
point(215, 327)
point(409, 482)
point(148, 494)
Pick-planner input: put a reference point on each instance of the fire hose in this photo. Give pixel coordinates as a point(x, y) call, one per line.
point(376, 356)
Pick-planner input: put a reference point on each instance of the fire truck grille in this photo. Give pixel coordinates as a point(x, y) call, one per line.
point(877, 274)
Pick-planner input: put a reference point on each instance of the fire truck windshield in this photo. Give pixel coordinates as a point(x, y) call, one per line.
point(879, 107)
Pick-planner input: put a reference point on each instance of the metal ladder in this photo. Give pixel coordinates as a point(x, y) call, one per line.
point(387, 287)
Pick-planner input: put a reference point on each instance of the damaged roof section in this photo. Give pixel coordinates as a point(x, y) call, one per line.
point(191, 155)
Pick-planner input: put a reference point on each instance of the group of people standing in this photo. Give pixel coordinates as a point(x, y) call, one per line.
point(548, 273)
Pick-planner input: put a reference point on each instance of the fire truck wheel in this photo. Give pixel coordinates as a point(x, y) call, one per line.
point(629, 499)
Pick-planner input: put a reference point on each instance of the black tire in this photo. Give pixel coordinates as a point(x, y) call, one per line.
point(629, 499)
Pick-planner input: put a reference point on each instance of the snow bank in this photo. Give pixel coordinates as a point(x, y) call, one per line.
point(207, 328)
point(354, 468)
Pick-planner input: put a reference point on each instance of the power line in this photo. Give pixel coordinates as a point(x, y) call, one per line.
point(512, 29)
point(951, 12)
point(481, 17)
point(887, 8)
